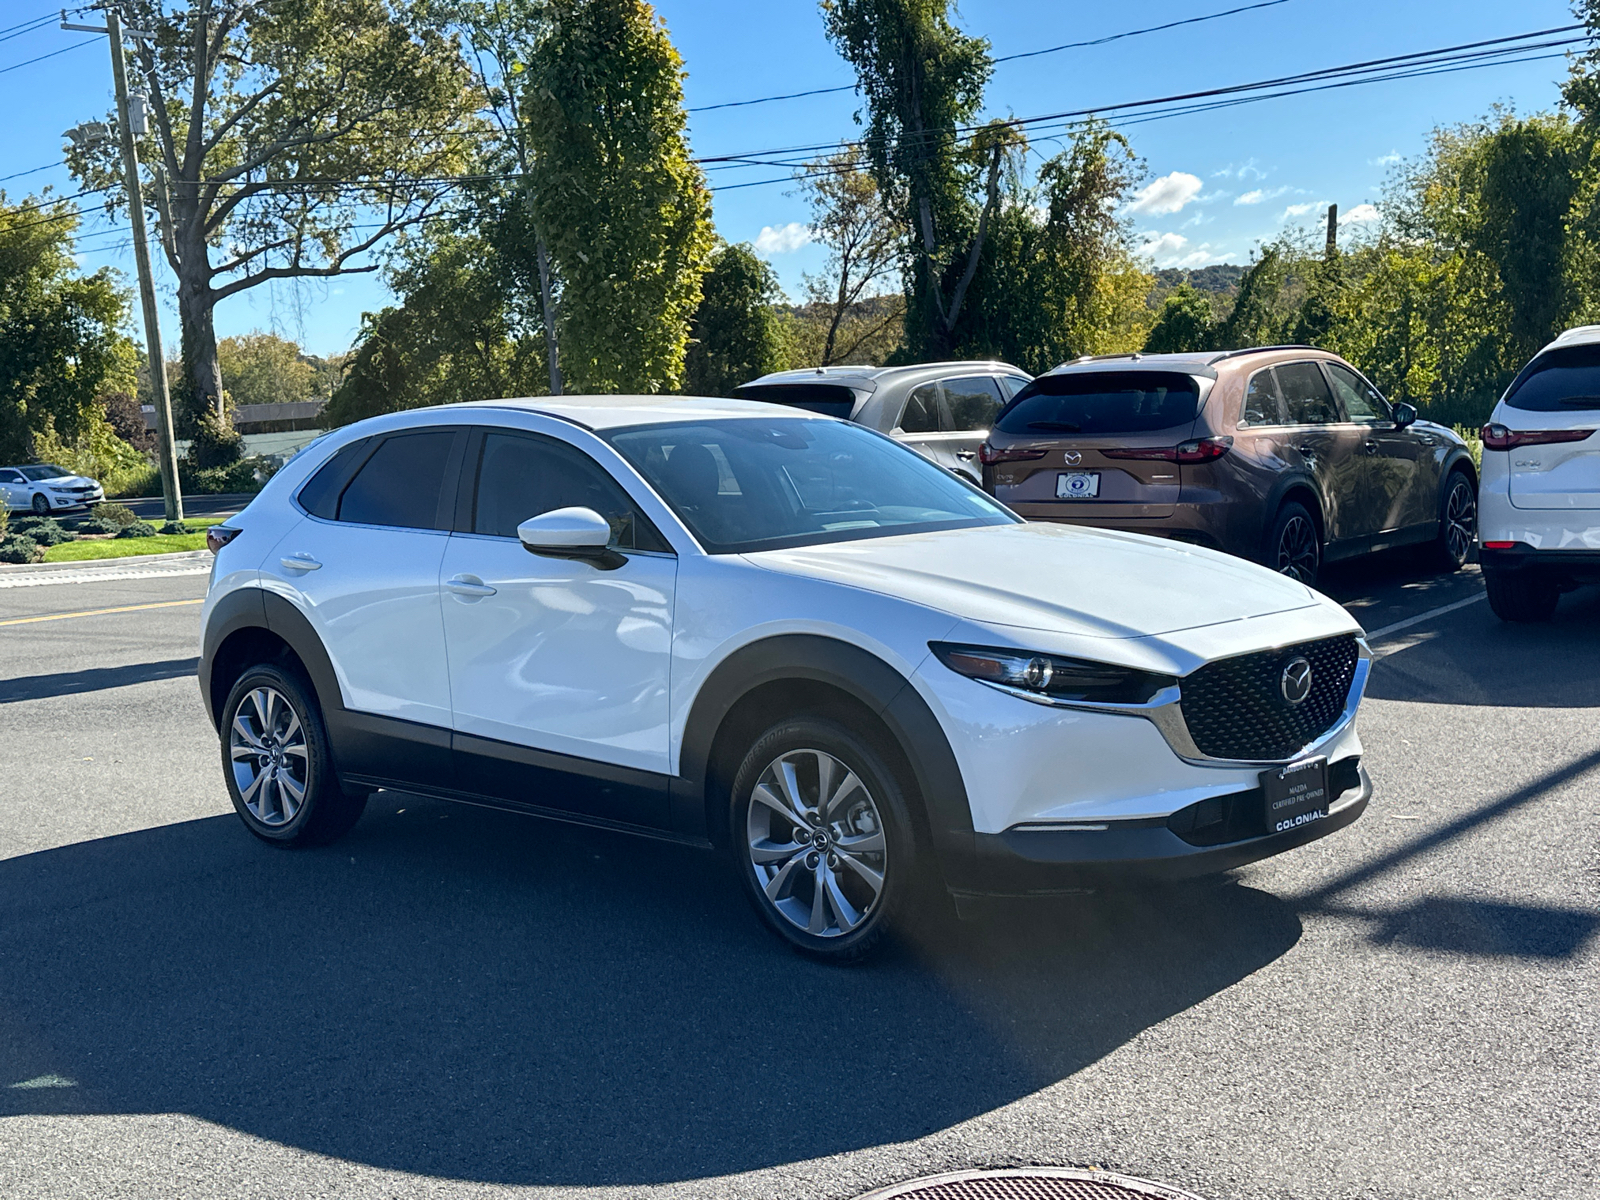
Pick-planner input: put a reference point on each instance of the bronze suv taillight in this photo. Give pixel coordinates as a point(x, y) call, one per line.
point(988, 455)
point(1498, 437)
point(1201, 450)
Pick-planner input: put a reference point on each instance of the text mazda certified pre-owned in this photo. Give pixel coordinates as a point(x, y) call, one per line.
point(772, 632)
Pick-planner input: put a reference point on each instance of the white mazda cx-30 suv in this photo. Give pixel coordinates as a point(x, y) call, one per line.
point(738, 625)
point(1539, 496)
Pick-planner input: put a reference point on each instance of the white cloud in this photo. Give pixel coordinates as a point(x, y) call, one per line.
point(1260, 195)
point(1164, 245)
point(1386, 160)
point(1197, 220)
point(1201, 256)
point(782, 239)
point(1175, 250)
point(1360, 214)
point(1167, 194)
point(1298, 210)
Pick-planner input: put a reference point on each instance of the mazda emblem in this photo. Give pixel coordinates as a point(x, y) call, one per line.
point(1073, 458)
point(1296, 682)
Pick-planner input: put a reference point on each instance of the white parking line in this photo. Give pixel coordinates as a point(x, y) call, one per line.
point(1421, 617)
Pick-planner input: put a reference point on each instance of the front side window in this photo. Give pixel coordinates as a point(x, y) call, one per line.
point(1263, 405)
point(973, 403)
point(1015, 383)
point(921, 413)
point(1306, 398)
point(1361, 401)
point(10, 476)
point(522, 476)
point(401, 483)
point(747, 484)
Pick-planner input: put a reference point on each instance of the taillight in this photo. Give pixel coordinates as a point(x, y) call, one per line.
point(1498, 437)
point(989, 455)
point(1201, 450)
point(218, 536)
point(1498, 545)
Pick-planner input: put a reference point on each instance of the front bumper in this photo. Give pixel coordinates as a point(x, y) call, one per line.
point(60, 502)
point(1112, 854)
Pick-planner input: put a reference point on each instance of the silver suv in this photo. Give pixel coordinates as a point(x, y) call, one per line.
point(942, 410)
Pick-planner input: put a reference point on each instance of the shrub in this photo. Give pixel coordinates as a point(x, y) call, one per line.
point(5, 520)
point(137, 529)
point(118, 514)
point(44, 530)
point(98, 525)
point(18, 548)
point(246, 475)
point(176, 527)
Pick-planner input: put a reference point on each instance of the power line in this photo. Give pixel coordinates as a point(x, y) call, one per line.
point(29, 62)
point(1100, 41)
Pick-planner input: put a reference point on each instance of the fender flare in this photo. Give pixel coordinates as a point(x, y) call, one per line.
point(866, 678)
point(258, 608)
point(1287, 482)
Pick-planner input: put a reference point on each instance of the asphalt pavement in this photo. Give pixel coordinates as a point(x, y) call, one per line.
point(457, 1002)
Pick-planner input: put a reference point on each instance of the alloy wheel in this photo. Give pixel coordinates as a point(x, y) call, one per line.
point(267, 745)
point(40, 505)
point(816, 843)
point(1460, 519)
point(1297, 550)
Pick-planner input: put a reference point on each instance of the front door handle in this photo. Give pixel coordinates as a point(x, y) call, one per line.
point(300, 562)
point(966, 455)
point(1372, 447)
point(1307, 449)
point(469, 585)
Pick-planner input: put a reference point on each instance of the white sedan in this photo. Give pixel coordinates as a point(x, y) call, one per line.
point(779, 634)
point(45, 488)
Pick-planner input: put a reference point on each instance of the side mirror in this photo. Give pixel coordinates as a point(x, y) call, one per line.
point(1404, 415)
point(570, 533)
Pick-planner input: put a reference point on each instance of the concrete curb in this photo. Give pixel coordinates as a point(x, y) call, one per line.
point(181, 562)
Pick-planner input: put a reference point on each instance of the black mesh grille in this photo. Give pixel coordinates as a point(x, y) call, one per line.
point(1235, 708)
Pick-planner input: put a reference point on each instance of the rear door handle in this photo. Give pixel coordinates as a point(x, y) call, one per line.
point(1306, 449)
point(300, 562)
point(469, 585)
point(966, 455)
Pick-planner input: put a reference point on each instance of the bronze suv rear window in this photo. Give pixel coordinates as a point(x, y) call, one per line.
point(1096, 403)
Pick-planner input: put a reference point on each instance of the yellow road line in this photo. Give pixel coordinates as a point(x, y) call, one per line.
point(100, 612)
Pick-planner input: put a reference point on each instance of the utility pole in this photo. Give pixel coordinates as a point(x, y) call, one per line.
point(1333, 232)
point(168, 460)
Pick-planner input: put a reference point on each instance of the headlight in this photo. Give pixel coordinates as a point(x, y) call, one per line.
point(1051, 675)
point(52, 487)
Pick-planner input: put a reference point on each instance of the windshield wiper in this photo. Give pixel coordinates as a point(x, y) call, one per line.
point(1056, 426)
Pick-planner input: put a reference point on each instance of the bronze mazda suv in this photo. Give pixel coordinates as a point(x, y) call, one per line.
point(1286, 455)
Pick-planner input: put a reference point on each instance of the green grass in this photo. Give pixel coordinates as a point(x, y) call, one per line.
point(87, 550)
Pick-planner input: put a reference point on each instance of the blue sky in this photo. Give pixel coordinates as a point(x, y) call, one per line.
point(1218, 183)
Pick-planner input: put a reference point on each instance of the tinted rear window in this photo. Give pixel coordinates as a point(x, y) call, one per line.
point(1559, 381)
point(829, 399)
point(401, 483)
point(1092, 403)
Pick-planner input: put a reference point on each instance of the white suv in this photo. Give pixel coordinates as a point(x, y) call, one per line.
point(739, 625)
point(1539, 498)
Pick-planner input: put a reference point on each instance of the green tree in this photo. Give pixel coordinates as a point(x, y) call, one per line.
point(1185, 323)
point(923, 79)
point(289, 136)
point(458, 333)
point(736, 334)
point(262, 368)
point(623, 207)
point(60, 340)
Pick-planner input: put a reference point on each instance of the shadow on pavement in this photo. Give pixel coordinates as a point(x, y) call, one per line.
point(94, 679)
point(1484, 928)
point(463, 993)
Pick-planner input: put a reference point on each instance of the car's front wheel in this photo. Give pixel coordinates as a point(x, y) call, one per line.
point(1524, 597)
point(276, 762)
point(822, 838)
point(41, 506)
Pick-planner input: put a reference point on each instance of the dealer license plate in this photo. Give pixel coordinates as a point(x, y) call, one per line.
point(1296, 794)
point(1078, 485)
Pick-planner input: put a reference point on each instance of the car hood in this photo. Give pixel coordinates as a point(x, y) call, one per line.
point(1064, 578)
point(66, 481)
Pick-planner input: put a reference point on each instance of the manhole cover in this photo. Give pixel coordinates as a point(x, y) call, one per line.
point(1035, 1183)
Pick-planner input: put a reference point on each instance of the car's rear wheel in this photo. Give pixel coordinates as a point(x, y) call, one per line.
point(822, 838)
point(1523, 597)
point(1458, 524)
point(276, 762)
point(1293, 545)
point(41, 506)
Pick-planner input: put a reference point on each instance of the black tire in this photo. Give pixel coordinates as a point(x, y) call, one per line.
point(1294, 547)
point(323, 812)
point(1458, 524)
point(41, 506)
point(1522, 597)
point(793, 875)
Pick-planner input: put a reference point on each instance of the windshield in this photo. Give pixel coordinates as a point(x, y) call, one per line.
point(1095, 403)
point(1564, 380)
point(763, 484)
point(44, 471)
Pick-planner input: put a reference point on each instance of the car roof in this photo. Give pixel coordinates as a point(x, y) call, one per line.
point(614, 412)
point(1583, 335)
point(1197, 362)
point(868, 378)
